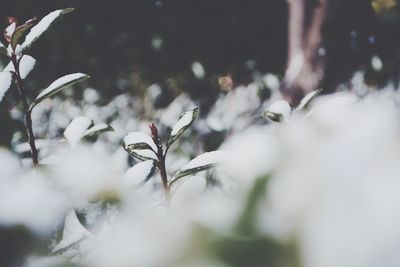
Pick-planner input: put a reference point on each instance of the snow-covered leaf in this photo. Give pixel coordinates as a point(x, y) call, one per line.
point(278, 111)
point(73, 233)
point(3, 49)
point(5, 83)
point(58, 85)
point(9, 30)
point(20, 32)
point(200, 163)
point(184, 122)
point(26, 65)
point(42, 26)
point(98, 129)
point(140, 173)
point(307, 99)
point(140, 145)
point(76, 129)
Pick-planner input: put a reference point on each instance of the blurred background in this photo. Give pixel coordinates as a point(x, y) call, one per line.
point(188, 45)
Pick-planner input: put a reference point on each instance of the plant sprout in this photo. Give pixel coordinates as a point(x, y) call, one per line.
point(19, 38)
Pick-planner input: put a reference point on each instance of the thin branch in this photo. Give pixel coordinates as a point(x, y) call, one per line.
point(27, 110)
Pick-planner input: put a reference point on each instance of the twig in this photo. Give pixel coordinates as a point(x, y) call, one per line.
point(27, 110)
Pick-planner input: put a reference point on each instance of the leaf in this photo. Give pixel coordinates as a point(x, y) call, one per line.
point(26, 65)
point(5, 83)
point(3, 49)
point(140, 145)
point(58, 85)
point(73, 233)
point(20, 32)
point(278, 111)
point(76, 129)
point(98, 129)
point(43, 26)
point(307, 99)
point(200, 163)
point(184, 122)
point(140, 173)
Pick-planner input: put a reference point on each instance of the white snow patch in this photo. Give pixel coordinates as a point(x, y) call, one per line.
point(60, 82)
point(295, 65)
point(135, 175)
point(5, 83)
point(281, 107)
point(40, 28)
point(184, 121)
point(76, 129)
point(198, 70)
point(26, 65)
point(139, 137)
point(205, 159)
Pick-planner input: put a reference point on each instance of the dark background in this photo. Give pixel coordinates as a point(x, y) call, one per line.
point(112, 41)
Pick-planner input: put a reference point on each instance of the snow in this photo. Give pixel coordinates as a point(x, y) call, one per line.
point(139, 137)
point(307, 99)
point(76, 129)
point(26, 65)
point(376, 63)
point(135, 175)
point(59, 84)
point(72, 233)
point(40, 28)
point(186, 118)
point(271, 81)
point(208, 158)
point(295, 65)
point(5, 83)
point(281, 107)
point(8, 32)
point(198, 70)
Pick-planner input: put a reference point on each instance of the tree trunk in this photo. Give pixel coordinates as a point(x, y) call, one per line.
point(305, 67)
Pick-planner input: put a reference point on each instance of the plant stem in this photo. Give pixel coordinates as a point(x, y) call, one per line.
point(27, 110)
point(164, 177)
point(161, 159)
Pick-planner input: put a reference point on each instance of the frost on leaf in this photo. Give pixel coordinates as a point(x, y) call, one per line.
point(307, 99)
point(140, 173)
point(184, 122)
point(98, 129)
point(5, 83)
point(42, 26)
point(140, 145)
point(58, 85)
point(73, 233)
point(26, 65)
point(76, 129)
point(278, 111)
point(200, 163)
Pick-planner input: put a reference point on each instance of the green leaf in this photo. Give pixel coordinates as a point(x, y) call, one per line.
point(140, 146)
point(20, 32)
point(98, 129)
point(307, 99)
point(58, 85)
point(43, 26)
point(276, 117)
point(200, 163)
point(3, 49)
point(183, 123)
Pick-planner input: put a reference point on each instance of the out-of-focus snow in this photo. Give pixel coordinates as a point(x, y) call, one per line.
point(77, 129)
